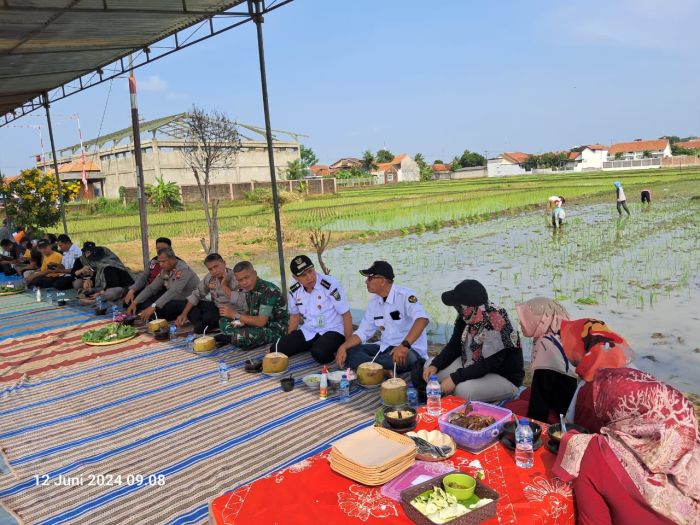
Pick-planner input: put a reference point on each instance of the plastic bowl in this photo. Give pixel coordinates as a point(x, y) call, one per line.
point(462, 480)
point(335, 377)
point(404, 422)
point(557, 428)
point(509, 431)
point(475, 440)
point(313, 381)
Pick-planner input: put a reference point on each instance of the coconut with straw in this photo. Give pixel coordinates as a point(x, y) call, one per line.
point(370, 373)
point(205, 343)
point(393, 391)
point(157, 324)
point(275, 362)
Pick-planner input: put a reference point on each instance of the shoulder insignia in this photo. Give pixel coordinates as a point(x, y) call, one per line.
point(335, 294)
point(178, 275)
point(294, 287)
point(325, 284)
point(412, 299)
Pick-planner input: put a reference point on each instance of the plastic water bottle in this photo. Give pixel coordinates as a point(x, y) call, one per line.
point(172, 330)
point(344, 389)
point(49, 297)
point(412, 396)
point(115, 312)
point(38, 294)
point(223, 372)
point(189, 342)
point(99, 304)
point(523, 445)
point(434, 397)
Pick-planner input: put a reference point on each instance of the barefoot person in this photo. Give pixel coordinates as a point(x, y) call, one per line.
point(167, 294)
point(265, 317)
point(319, 301)
point(221, 286)
point(147, 277)
point(401, 318)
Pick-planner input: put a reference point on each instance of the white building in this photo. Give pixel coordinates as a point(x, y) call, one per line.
point(401, 168)
point(589, 158)
point(640, 149)
point(508, 163)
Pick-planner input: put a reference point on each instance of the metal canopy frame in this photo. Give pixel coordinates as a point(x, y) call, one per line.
point(86, 64)
point(79, 44)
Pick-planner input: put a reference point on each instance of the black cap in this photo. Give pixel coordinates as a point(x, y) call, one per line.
point(43, 243)
point(300, 264)
point(468, 293)
point(382, 268)
point(89, 246)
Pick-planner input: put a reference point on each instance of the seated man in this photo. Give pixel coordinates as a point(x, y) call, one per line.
point(69, 254)
point(321, 303)
point(397, 313)
point(265, 319)
point(147, 277)
point(50, 262)
point(167, 294)
point(11, 255)
point(99, 272)
point(221, 285)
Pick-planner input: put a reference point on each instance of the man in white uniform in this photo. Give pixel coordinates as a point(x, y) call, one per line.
point(401, 318)
point(320, 302)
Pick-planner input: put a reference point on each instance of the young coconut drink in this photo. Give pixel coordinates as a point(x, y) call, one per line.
point(275, 362)
point(205, 343)
point(157, 324)
point(393, 392)
point(370, 374)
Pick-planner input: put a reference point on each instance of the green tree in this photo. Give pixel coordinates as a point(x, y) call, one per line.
point(308, 157)
point(470, 159)
point(296, 169)
point(619, 155)
point(368, 162)
point(678, 150)
point(34, 203)
point(384, 155)
point(426, 173)
point(438, 161)
point(163, 194)
point(420, 160)
point(646, 154)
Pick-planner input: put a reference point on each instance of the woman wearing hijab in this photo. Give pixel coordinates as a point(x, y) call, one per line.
point(100, 272)
point(483, 360)
point(590, 345)
point(642, 468)
point(554, 377)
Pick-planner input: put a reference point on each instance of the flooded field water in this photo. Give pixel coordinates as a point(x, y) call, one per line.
point(638, 274)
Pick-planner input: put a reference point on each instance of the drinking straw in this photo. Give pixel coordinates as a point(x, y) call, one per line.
point(394, 370)
point(205, 331)
point(563, 425)
point(375, 356)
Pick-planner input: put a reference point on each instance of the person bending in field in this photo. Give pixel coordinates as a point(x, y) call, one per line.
point(558, 215)
point(553, 200)
point(646, 196)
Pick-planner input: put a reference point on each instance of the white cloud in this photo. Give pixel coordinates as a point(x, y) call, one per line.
point(644, 24)
point(152, 84)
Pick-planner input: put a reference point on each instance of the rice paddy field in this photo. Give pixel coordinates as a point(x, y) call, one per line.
point(639, 274)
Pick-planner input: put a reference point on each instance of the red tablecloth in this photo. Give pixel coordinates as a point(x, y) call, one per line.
point(310, 492)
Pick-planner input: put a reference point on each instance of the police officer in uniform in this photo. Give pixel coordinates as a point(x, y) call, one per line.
point(401, 318)
point(168, 293)
point(320, 302)
point(147, 277)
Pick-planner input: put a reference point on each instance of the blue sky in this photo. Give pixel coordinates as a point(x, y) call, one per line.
point(431, 77)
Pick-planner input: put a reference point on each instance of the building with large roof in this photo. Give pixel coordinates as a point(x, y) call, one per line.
point(109, 160)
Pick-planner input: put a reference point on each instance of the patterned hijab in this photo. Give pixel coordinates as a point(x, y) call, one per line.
point(590, 345)
point(653, 431)
point(488, 330)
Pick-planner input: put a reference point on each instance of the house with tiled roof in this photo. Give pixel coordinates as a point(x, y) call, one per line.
point(401, 168)
point(346, 164)
point(689, 144)
point(590, 158)
point(636, 149)
point(507, 163)
point(320, 170)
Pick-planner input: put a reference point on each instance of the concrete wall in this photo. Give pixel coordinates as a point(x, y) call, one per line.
point(163, 158)
point(409, 170)
point(470, 173)
point(496, 169)
point(640, 164)
point(680, 161)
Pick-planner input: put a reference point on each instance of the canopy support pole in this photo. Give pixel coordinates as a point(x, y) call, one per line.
point(255, 8)
point(140, 188)
point(55, 164)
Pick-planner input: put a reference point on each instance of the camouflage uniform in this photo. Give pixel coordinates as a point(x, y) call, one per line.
point(265, 299)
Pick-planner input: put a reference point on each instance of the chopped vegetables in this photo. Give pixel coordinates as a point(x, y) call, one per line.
point(440, 507)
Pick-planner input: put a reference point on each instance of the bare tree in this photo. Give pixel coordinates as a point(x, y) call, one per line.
point(211, 142)
point(320, 239)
